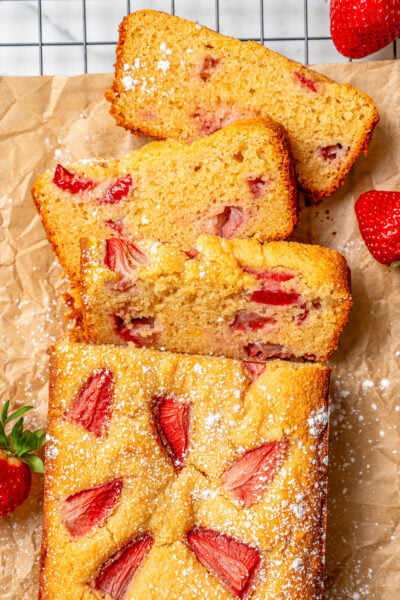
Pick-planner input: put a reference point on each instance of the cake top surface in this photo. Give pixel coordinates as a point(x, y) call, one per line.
point(187, 458)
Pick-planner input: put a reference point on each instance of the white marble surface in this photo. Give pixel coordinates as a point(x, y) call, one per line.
point(62, 24)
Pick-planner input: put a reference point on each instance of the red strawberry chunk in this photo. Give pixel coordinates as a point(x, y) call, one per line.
point(172, 424)
point(87, 509)
point(227, 223)
point(209, 122)
point(274, 297)
point(192, 253)
point(254, 369)
point(233, 562)
point(303, 316)
point(258, 186)
point(271, 291)
point(265, 350)
point(306, 81)
point(330, 153)
point(92, 406)
point(136, 254)
point(246, 320)
point(117, 191)
point(72, 182)
point(117, 573)
point(116, 257)
point(268, 275)
point(121, 257)
point(210, 64)
point(249, 477)
point(135, 330)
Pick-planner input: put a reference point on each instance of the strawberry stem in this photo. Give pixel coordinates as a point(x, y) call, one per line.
point(21, 443)
point(395, 264)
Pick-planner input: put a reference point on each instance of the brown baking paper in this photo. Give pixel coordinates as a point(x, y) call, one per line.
point(45, 120)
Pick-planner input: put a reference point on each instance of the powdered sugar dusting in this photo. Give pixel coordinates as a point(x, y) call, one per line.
point(129, 83)
point(163, 65)
point(164, 49)
point(212, 419)
point(318, 421)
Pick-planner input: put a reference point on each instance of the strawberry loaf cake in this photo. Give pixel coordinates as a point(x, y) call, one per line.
point(237, 182)
point(176, 79)
point(183, 477)
point(235, 298)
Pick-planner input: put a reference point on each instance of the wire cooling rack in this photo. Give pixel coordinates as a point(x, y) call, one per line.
point(17, 53)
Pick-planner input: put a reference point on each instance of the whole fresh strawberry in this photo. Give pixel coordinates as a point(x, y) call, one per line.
point(16, 460)
point(362, 27)
point(378, 215)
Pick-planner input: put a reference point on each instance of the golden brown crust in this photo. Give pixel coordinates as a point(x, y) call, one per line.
point(321, 534)
point(136, 23)
point(361, 146)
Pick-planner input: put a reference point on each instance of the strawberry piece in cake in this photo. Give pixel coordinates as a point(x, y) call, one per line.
point(117, 191)
point(235, 563)
point(228, 223)
point(172, 423)
point(92, 406)
point(233, 298)
point(122, 257)
point(202, 479)
point(72, 182)
point(254, 369)
point(116, 575)
point(249, 476)
point(89, 508)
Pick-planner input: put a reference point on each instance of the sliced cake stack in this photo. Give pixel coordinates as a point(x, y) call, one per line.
point(200, 474)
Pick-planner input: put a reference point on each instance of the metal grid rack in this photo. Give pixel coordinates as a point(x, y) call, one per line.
point(218, 9)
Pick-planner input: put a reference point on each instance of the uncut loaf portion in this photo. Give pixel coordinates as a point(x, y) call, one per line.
point(238, 298)
point(238, 182)
point(176, 79)
point(185, 477)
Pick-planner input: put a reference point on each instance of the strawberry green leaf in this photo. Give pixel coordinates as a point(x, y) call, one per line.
point(17, 414)
point(34, 462)
point(395, 264)
point(3, 438)
point(16, 432)
point(31, 440)
point(4, 412)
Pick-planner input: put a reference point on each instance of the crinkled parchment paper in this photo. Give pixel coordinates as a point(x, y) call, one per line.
point(45, 120)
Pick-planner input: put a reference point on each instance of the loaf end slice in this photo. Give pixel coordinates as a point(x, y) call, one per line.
point(176, 79)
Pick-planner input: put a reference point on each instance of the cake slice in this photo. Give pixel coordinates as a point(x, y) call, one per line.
point(176, 79)
point(235, 298)
point(237, 182)
point(178, 477)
